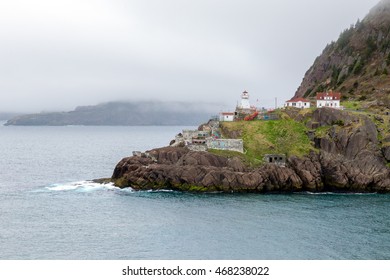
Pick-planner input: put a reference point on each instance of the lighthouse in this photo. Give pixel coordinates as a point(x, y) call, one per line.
point(244, 107)
point(244, 104)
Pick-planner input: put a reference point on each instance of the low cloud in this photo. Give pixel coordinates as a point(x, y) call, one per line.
point(56, 55)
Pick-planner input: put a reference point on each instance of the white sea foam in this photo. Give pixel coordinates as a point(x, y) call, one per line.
point(335, 193)
point(162, 190)
point(82, 186)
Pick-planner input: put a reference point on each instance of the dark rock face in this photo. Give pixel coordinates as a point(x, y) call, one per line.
point(350, 159)
point(350, 156)
point(179, 168)
point(386, 152)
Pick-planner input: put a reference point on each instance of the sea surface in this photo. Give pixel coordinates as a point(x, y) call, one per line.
point(49, 208)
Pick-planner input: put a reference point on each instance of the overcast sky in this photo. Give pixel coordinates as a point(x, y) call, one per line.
point(58, 54)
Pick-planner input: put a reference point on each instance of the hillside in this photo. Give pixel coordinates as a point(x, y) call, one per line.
point(123, 113)
point(357, 64)
point(268, 137)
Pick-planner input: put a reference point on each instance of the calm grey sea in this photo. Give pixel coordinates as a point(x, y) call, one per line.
point(49, 209)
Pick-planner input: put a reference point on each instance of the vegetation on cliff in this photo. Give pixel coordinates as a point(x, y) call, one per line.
point(357, 64)
point(270, 137)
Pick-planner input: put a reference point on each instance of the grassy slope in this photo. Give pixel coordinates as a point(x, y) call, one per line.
point(284, 136)
point(287, 136)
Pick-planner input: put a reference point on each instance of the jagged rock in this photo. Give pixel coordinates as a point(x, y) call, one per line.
point(386, 152)
point(309, 170)
point(328, 116)
point(236, 164)
point(202, 158)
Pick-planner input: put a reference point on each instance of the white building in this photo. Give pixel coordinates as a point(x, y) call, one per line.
point(244, 107)
point(226, 117)
point(329, 99)
point(244, 103)
point(300, 103)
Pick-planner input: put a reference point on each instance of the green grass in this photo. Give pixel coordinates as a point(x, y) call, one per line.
point(284, 136)
point(352, 105)
point(322, 131)
point(383, 127)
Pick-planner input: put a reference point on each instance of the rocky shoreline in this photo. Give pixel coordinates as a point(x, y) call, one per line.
point(348, 157)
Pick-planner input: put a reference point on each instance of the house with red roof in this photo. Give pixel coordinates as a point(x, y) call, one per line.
point(329, 99)
point(300, 103)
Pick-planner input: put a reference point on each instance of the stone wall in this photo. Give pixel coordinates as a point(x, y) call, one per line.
point(226, 144)
point(197, 148)
point(189, 134)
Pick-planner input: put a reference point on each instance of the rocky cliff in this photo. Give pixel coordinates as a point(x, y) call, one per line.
point(350, 154)
point(357, 64)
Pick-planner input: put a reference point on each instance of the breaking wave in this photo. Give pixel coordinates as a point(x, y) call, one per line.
point(335, 193)
point(84, 186)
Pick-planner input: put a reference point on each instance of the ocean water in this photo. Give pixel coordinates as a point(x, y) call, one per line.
point(49, 208)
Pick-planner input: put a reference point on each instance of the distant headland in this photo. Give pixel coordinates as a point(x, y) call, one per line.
point(122, 113)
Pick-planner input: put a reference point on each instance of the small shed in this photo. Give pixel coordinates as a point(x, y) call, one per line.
point(226, 116)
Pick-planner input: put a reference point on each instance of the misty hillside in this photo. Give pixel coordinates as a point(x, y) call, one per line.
point(124, 113)
point(357, 64)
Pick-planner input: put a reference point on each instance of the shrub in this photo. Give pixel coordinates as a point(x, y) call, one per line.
point(358, 67)
point(362, 98)
point(338, 122)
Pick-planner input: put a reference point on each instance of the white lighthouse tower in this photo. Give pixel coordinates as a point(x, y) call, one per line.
point(244, 107)
point(244, 104)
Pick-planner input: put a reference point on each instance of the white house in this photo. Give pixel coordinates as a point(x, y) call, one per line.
point(329, 99)
point(226, 117)
point(300, 103)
